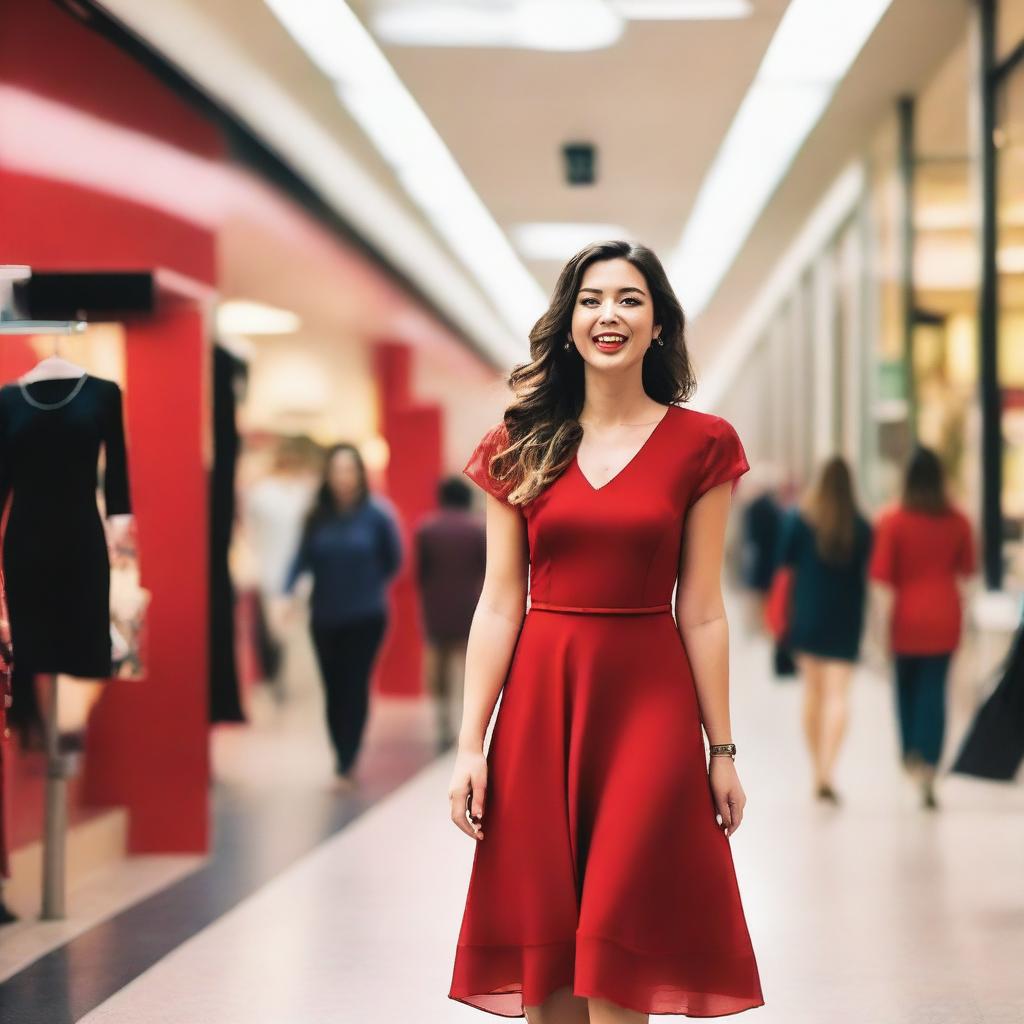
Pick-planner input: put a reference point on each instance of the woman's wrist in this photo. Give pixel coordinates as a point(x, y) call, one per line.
point(470, 744)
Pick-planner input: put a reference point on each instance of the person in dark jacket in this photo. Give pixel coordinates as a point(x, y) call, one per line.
point(761, 521)
point(451, 554)
point(923, 550)
point(827, 542)
point(352, 546)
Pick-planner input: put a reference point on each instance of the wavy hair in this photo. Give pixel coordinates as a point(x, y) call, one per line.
point(542, 420)
point(832, 512)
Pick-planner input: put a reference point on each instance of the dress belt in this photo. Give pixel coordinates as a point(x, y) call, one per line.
point(547, 606)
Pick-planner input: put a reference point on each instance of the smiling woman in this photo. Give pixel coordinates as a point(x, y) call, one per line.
point(599, 804)
point(610, 287)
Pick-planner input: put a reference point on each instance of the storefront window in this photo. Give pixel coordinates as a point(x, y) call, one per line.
point(886, 410)
point(945, 343)
point(947, 263)
point(1010, 266)
point(1009, 27)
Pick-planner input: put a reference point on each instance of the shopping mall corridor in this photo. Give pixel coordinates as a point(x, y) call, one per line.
point(875, 912)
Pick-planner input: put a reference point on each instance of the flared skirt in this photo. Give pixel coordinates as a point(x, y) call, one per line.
point(602, 866)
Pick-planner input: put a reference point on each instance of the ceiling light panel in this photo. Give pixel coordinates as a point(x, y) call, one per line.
point(818, 40)
point(812, 50)
point(549, 240)
point(568, 25)
point(680, 10)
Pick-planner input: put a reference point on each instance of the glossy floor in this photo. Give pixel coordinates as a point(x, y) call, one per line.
point(875, 912)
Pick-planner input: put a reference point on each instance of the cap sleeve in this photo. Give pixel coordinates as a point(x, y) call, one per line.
point(724, 459)
point(477, 468)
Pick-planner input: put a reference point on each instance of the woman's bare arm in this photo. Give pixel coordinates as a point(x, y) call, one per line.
point(496, 622)
point(493, 633)
point(700, 609)
point(701, 621)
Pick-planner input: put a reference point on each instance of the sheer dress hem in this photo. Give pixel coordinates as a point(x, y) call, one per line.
point(501, 979)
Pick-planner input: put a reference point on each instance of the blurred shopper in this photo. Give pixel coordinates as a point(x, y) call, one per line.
point(275, 507)
point(761, 521)
point(921, 547)
point(451, 554)
point(827, 542)
point(352, 546)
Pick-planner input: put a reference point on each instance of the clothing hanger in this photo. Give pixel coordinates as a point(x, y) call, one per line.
point(54, 367)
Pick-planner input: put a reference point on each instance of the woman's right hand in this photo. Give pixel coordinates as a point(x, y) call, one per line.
point(469, 782)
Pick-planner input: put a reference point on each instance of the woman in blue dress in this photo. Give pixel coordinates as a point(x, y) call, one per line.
point(827, 544)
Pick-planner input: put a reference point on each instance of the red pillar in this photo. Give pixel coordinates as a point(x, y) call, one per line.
point(413, 433)
point(147, 739)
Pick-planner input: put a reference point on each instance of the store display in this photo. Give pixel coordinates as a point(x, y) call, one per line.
point(225, 702)
point(128, 603)
point(55, 549)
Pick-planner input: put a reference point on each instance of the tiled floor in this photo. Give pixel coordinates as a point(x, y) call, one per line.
point(871, 913)
point(272, 804)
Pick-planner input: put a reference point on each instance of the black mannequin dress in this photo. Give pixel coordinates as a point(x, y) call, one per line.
point(55, 558)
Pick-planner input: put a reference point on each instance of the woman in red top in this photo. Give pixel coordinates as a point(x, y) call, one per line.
point(921, 547)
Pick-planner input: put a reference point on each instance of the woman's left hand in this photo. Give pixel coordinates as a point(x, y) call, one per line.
point(727, 791)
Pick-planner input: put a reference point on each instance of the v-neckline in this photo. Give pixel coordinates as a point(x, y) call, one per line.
point(632, 458)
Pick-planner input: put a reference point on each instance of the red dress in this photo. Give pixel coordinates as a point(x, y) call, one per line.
point(920, 556)
point(602, 866)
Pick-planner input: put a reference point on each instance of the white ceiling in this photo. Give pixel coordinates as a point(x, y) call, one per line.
point(656, 105)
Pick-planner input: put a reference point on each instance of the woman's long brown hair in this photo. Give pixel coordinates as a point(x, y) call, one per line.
point(832, 512)
point(924, 484)
point(542, 420)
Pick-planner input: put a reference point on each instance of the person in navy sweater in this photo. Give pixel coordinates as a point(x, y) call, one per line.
point(352, 547)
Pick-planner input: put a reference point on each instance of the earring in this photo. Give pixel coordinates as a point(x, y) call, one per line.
point(568, 344)
point(659, 341)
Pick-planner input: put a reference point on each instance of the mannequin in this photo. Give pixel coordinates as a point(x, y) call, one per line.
point(56, 562)
point(55, 367)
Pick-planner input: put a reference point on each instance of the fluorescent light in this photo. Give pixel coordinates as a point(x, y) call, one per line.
point(810, 53)
point(375, 96)
point(758, 149)
point(240, 316)
point(817, 41)
point(444, 24)
point(562, 25)
point(567, 25)
point(333, 38)
point(529, 24)
point(550, 240)
point(678, 10)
